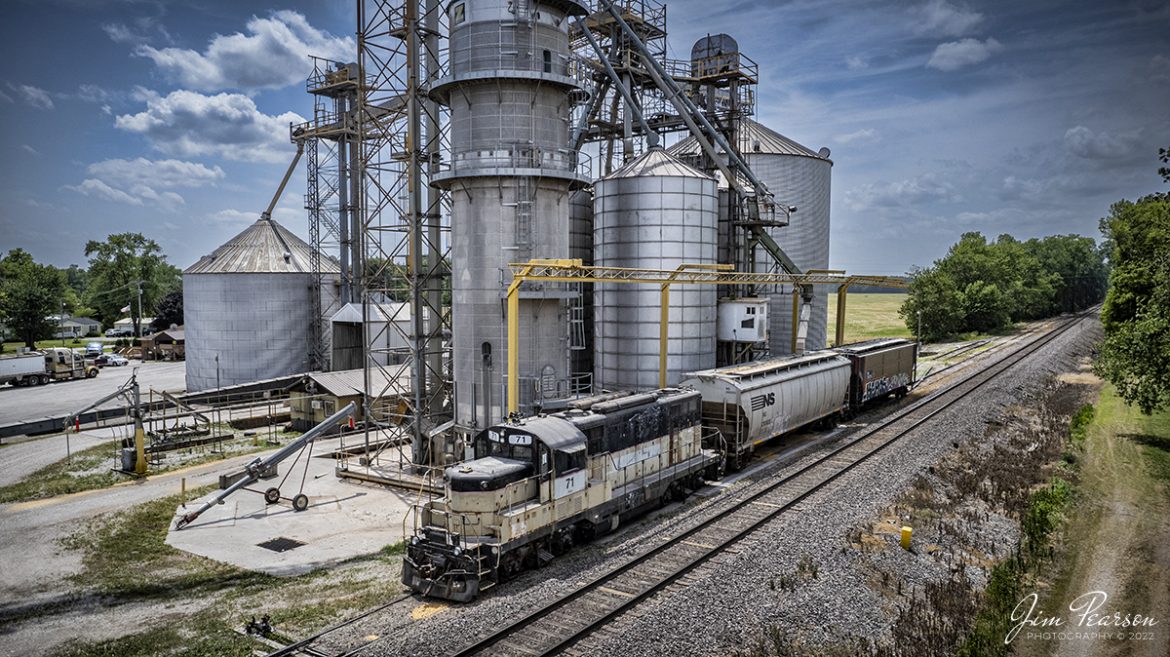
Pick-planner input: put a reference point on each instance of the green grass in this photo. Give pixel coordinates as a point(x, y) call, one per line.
point(125, 558)
point(66, 476)
point(869, 316)
point(1150, 432)
point(77, 475)
point(126, 555)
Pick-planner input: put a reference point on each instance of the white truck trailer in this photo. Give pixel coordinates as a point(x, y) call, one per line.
point(40, 367)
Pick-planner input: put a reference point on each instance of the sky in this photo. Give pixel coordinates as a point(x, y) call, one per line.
point(171, 118)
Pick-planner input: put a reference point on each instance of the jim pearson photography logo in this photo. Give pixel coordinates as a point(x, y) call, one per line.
point(1088, 619)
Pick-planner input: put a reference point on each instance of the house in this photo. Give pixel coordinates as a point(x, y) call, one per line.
point(125, 326)
point(170, 344)
point(320, 394)
point(75, 327)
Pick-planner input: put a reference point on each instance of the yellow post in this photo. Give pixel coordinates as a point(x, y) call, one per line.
point(663, 334)
point(139, 449)
point(513, 346)
point(906, 534)
point(514, 339)
point(795, 315)
point(841, 293)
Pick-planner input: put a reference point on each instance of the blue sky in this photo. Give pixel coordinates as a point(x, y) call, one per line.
point(170, 118)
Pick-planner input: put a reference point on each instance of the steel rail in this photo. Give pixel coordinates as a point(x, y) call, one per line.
point(303, 644)
point(988, 375)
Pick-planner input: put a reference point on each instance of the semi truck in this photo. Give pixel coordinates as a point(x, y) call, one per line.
point(36, 368)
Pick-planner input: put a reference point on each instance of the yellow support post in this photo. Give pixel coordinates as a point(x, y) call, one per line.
point(663, 334)
point(514, 345)
point(841, 294)
point(519, 277)
point(139, 449)
point(795, 315)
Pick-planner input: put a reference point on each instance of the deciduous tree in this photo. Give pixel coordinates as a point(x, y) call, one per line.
point(29, 294)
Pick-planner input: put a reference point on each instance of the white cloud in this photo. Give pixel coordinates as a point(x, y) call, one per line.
point(856, 63)
point(957, 54)
point(189, 124)
point(157, 173)
point(92, 93)
point(145, 29)
point(940, 18)
point(98, 189)
point(138, 182)
point(863, 135)
point(120, 33)
point(30, 150)
point(925, 188)
point(274, 54)
point(33, 96)
point(5, 98)
point(107, 110)
point(1083, 142)
point(233, 216)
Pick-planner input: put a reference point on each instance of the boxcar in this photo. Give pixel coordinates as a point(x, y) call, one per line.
point(756, 402)
point(879, 368)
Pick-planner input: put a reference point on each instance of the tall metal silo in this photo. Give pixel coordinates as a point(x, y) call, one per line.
point(655, 212)
point(510, 89)
point(245, 308)
point(797, 176)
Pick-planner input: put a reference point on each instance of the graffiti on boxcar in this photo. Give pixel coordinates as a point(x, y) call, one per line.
point(885, 385)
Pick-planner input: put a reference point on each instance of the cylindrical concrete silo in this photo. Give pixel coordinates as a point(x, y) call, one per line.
point(245, 308)
point(655, 212)
point(510, 89)
point(800, 177)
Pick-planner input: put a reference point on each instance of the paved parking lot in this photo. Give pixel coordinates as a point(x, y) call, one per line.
point(65, 397)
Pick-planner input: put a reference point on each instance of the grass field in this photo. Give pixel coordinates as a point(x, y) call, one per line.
point(869, 316)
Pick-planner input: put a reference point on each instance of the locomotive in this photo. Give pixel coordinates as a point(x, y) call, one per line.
point(538, 485)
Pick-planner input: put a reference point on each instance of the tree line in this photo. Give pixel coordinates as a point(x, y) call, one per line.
point(983, 286)
point(32, 293)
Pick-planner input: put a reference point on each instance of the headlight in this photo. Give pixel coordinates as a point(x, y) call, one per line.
point(457, 552)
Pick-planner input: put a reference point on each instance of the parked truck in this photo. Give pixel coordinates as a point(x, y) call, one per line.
point(36, 368)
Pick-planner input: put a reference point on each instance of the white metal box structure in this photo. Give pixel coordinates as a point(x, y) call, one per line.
point(743, 320)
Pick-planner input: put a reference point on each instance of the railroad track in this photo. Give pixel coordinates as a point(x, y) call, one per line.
point(561, 624)
point(304, 647)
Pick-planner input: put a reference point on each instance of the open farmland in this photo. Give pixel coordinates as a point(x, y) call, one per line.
point(869, 316)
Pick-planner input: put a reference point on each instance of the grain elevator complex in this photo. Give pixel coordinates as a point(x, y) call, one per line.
point(520, 203)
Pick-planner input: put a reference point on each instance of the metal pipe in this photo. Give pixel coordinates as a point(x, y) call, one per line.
point(253, 470)
point(651, 136)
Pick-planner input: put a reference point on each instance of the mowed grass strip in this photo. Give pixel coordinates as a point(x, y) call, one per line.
point(869, 316)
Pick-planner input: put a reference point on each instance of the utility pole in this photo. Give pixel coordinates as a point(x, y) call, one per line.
point(139, 323)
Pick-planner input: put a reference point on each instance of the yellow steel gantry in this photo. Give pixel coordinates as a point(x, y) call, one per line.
point(573, 271)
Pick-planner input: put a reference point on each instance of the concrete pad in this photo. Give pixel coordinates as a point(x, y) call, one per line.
point(345, 519)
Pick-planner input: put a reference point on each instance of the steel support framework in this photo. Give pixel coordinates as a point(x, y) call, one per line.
point(404, 230)
point(573, 271)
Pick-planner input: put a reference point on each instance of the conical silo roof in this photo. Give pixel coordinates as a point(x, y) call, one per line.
point(263, 247)
point(754, 137)
point(656, 162)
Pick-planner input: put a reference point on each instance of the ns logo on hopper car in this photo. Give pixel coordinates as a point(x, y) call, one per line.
point(760, 401)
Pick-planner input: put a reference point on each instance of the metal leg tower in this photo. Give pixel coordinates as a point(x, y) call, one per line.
point(403, 241)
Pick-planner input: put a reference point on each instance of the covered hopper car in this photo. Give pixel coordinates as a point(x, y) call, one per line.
point(752, 403)
point(881, 368)
point(538, 485)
